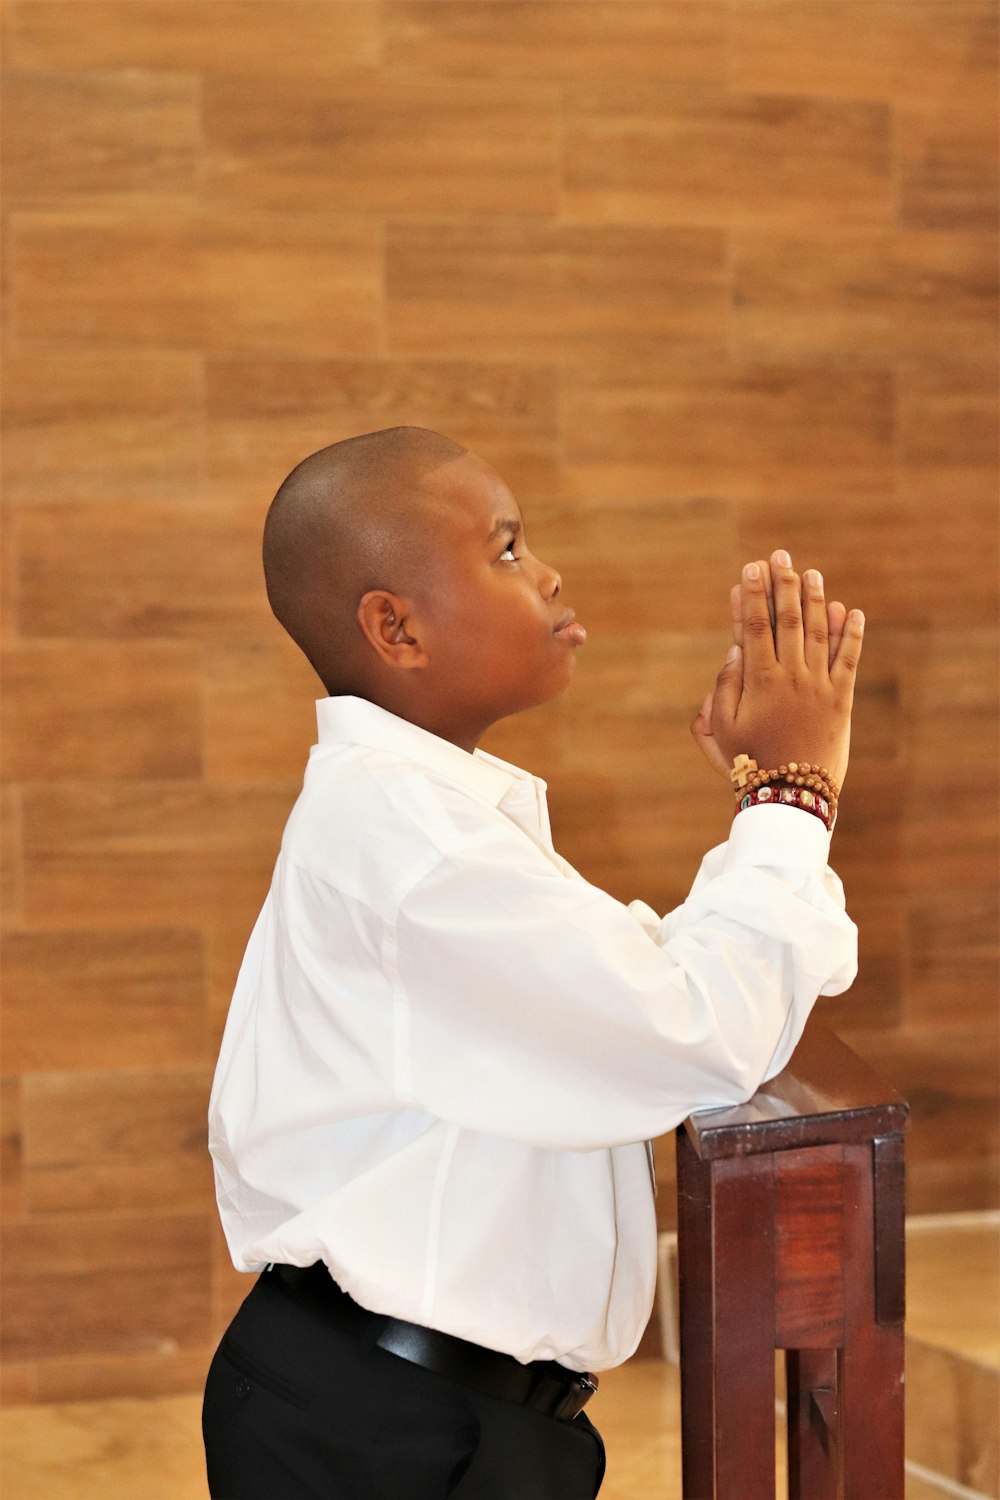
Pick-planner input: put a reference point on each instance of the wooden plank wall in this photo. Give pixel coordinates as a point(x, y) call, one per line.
point(701, 279)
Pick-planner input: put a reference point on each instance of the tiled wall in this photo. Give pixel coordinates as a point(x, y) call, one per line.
point(701, 279)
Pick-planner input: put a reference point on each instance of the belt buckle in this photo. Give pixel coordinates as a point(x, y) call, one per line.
point(576, 1398)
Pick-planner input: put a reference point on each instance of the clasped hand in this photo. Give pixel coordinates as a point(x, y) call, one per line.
point(787, 688)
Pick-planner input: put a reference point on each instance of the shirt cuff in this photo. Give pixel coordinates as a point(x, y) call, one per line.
point(777, 836)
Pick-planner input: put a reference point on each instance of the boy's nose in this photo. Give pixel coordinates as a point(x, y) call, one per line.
point(551, 582)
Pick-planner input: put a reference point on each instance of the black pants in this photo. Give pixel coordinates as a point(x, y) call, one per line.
point(297, 1410)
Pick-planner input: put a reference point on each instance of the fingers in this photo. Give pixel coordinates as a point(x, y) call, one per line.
point(787, 610)
point(736, 610)
point(728, 689)
point(765, 568)
point(836, 614)
point(758, 642)
point(822, 625)
point(844, 669)
point(736, 601)
point(815, 625)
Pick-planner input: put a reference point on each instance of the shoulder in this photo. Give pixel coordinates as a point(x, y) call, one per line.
point(369, 822)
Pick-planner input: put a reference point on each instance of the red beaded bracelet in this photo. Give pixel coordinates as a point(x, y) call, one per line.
point(792, 796)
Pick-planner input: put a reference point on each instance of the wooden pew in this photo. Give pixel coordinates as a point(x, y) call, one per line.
point(790, 1236)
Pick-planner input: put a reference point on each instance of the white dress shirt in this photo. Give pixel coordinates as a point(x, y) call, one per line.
point(446, 1050)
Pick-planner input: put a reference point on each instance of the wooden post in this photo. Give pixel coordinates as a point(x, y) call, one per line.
point(694, 1270)
point(790, 1236)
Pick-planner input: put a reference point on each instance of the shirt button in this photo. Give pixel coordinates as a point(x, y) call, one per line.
point(243, 1388)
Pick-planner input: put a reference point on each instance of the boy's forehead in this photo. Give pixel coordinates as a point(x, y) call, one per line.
point(470, 494)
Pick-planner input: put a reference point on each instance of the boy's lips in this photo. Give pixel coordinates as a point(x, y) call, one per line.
point(570, 630)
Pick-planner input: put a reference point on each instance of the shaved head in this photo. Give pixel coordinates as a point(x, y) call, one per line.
point(346, 520)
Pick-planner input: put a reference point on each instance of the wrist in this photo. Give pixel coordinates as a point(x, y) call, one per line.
point(814, 804)
point(793, 783)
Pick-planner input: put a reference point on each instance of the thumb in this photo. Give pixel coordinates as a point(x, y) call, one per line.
point(702, 731)
point(729, 684)
point(704, 716)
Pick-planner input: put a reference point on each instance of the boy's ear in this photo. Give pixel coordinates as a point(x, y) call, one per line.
point(385, 623)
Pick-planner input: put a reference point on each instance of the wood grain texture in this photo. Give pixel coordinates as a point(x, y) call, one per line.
point(103, 1000)
point(948, 843)
point(753, 432)
point(63, 139)
point(948, 449)
point(104, 1284)
point(877, 995)
point(551, 291)
point(948, 166)
point(947, 438)
point(865, 49)
point(103, 426)
point(166, 571)
point(369, 143)
point(259, 715)
point(120, 709)
point(811, 1427)
point(825, 535)
point(162, 1372)
point(610, 580)
point(11, 1148)
point(953, 949)
point(130, 1141)
point(92, 280)
point(636, 154)
point(557, 38)
point(265, 415)
point(809, 1291)
point(307, 38)
point(873, 298)
point(12, 862)
point(871, 1362)
point(742, 1324)
point(954, 1404)
point(700, 280)
point(129, 853)
point(947, 1073)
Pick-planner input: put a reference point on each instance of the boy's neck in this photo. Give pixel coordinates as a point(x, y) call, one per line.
point(456, 733)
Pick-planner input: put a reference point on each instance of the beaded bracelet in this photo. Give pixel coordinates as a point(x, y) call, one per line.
point(747, 774)
point(790, 775)
point(792, 796)
point(796, 776)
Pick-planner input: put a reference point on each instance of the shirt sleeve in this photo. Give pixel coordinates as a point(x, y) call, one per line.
point(534, 1006)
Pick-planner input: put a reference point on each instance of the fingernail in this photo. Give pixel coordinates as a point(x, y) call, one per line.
point(752, 571)
point(732, 654)
point(783, 559)
point(857, 616)
point(814, 577)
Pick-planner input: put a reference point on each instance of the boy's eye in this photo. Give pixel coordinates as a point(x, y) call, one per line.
point(509, 552)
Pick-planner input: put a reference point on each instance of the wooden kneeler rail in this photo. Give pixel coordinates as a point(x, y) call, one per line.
point(790, 1236)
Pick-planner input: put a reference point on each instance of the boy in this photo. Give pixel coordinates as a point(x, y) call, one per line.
point(446, 1051)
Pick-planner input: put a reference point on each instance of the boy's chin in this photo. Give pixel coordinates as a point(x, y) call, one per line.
point(549, 691)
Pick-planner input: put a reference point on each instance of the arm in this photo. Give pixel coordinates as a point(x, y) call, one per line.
point(537, 1008)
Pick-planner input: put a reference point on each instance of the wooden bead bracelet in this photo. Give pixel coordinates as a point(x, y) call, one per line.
point(822, 792)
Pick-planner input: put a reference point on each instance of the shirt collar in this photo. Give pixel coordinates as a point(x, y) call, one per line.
point(347, 720)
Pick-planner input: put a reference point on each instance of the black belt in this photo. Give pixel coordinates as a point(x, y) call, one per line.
point(545, 1385)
